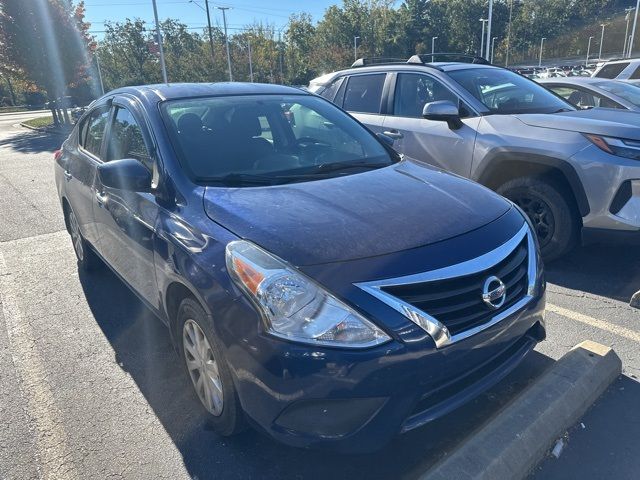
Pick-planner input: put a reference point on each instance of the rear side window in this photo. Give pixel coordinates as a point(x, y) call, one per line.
point(126, 140)
point(330, 92)
point(636, 74)
point(92, 131)
point(364, 93)
point(611, 70)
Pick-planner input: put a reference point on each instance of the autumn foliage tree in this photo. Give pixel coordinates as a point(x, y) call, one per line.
point(48, 42)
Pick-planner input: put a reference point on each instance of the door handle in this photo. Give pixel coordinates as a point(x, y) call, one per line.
point(67, 175)
point(393, 134)
point(101, 198)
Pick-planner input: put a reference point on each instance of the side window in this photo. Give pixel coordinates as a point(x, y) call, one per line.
point(364, 93)
point(611, 70)
point(330, 92)
point(126, 140)
point(636, 74)
point(414, 91)
point(92, 131)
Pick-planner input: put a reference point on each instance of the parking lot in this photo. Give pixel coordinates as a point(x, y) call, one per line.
point(91, 387)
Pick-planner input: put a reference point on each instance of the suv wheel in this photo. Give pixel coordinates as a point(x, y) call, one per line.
point(208, 370)
point(551, 211)
point(87, 258)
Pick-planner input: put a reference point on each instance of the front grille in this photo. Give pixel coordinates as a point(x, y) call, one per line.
point(457, 302)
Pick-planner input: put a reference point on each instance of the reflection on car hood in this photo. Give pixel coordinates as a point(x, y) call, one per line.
point(374, 213)
point(600, 121)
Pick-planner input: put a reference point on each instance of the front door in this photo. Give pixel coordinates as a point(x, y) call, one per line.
point(429, 141)
point(363, 99)
point(125, 220)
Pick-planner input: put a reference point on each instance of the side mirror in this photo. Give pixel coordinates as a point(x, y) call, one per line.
point(126, 174)
point(443, 111)
point(386, 139)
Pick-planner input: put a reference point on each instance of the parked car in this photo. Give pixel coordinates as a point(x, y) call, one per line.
point(625, 69)
point(572, 171)
point(319, 286)
point(583, 92)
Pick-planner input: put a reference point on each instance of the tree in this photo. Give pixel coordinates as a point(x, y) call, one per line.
point(298, 39)
point(48, 42)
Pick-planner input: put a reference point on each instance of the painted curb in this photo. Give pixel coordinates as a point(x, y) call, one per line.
point(512, 443)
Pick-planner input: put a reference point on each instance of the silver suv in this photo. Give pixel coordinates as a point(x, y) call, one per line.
point(572, 171)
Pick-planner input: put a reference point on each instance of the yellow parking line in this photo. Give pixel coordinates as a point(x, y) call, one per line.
point(594, 322)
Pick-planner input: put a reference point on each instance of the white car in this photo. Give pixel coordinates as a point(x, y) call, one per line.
point(625, 69)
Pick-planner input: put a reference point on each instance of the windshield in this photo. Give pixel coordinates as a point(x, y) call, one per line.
point(269, 139)
point(630, 93)
point(506, 92)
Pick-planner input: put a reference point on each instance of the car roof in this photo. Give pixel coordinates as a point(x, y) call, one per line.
point(169, 91)
point(383, 67)
point(576, 80)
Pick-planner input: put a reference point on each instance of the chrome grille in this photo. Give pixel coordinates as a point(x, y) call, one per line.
point(448, 303)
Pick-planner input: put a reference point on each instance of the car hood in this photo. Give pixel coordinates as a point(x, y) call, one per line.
point(387, 210)
point(599, 121)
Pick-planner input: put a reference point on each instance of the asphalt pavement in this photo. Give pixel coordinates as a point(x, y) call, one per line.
point(90, 386)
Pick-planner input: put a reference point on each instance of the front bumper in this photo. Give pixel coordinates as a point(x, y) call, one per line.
point(612, 187)
point(357, 401)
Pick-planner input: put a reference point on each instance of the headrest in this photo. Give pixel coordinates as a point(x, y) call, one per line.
point(189, 123)
point(244, 123)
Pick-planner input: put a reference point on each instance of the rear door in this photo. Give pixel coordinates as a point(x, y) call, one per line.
point(125, 220)
point(80, 169)
point(430, 141)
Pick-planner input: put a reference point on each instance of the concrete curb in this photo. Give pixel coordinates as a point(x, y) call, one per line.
point(513, 442)
point(43, 130)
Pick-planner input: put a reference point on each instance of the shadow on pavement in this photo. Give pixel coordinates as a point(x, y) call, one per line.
point(611, 271)
point(607, 446)
point(33, 142)
point(143, 349)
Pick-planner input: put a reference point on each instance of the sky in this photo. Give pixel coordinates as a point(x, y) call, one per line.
point(191, 12)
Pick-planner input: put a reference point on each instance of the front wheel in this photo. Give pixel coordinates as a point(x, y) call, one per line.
point(551, 210)
point(208, 370)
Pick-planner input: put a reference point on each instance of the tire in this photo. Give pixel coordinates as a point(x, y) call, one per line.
point(87, 258)
point(225, 415)
point(551, 210)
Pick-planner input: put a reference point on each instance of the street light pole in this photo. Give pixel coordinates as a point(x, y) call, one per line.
point(250, 61)
point(433, 48)
point(99, 72)
point(627, 17)
point(601, 40)
point(633, 30)
point(355, 48)
point(226, 40)
point(213, 59)
point(482, 38)
point(541, 45)
point(159, 35)
point(493, 44)
point(489, 20)
point(586, 62)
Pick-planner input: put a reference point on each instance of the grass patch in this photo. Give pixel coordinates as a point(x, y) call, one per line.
point(40, 122)
point(12, 109)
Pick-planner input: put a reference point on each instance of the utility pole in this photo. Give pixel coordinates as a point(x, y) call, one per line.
point(159, 35)
point(627, 17)
point(355, 48)
point(586, 62)
point(633, 30)
point(493, 44)
point(482, 38)
point(250, 61)
point(213, 58)
point(226, 40)
point(280, 54)
point(601, 40)
point(99, 72)
point(489, 27)
point(506, 61)
point(541, 45)
point(433, 43)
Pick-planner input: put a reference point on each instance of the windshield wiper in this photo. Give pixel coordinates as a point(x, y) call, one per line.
point(337, 166)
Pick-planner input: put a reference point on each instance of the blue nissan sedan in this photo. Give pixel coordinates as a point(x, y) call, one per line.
point(317, 285)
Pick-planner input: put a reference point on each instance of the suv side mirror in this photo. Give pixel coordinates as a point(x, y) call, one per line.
point(443, 111)
point(126, 174)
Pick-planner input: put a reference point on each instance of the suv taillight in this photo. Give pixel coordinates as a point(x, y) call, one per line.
point(57, 154)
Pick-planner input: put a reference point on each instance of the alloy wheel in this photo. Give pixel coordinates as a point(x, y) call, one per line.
point(76, 237)
point(541, 216)
point(202, 367)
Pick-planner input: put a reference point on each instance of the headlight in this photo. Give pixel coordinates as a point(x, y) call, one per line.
point(294, 306)
point(616, 146)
